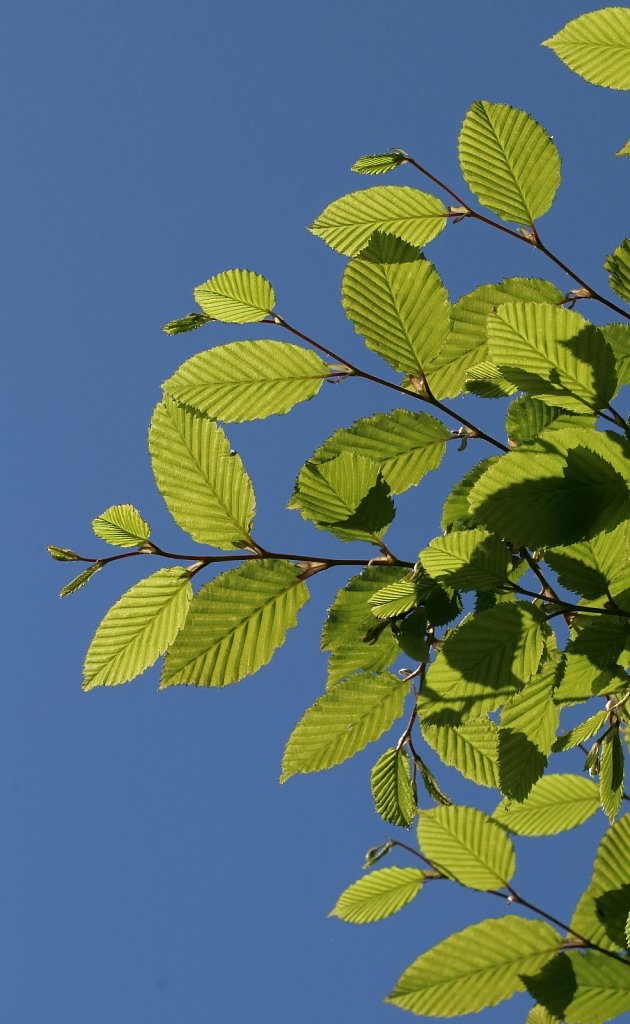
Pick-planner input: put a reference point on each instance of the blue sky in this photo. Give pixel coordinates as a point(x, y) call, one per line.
point(153, 869)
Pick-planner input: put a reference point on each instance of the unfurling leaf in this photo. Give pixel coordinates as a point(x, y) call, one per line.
point(63, 554)
point(80, 580)
point(379, 163)
point(392, 789)
point(236, 297)
point(190, 322)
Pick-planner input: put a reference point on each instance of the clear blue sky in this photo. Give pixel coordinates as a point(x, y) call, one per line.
point(153, 870)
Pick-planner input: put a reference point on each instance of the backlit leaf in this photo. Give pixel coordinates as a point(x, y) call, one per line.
point(346, 495)
point(378, 895)
point(236, 297)
point(471, 748)
point(467, 845)
point(348, 223)
point(528, 417)
point(202, 481)
point(236, 623)
point(138, 628)
point(618, 263)
point(582, 988)
point(477, 967)
point(467, 560)
point(611, 774)
point(190, 322)
point(596, 46)
point(509, 161)
point(356, 711)
point(379, 163)
point(392, 789)
point(555, 804)
point(527, 733)
point(397, 302)
point(80, 580)
point(122, 525)
point(603, 908)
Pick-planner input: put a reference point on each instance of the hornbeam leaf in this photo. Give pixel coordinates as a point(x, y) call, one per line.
point(379, 895)
point(471, 748)
point(596, 46)
point(379, 163)
point(618, 337)
point(247, 380)
point(80, 580)
point(570, 491)
point(467, 560)
point(482, 664)
point(477, 967)
point(456, 512)
point(467, 845)
point(349, 223)
point(404, 445)
point(392, 789)
point(396, 598)
point(122, 525)
point(595, 566)
point(236, 297)
point(592, 657)
point(628, 931)
point(397, 302)
point(509, 161)
point(467, 344)
point(487, 381)
point(603, 907)
point(625, 150)
point(346, 495)
point(527, 733)
point(236, 623)
point(555, 804)
point(351, 632)
point(203, 483)
point(554, 354)
point(611, 774)
point(540, 1015)
point(581, 987)
point(618, 267)
point(528, 417)
point(343, 721)
point(190, 322)
point(584, 731)
point(138, 628)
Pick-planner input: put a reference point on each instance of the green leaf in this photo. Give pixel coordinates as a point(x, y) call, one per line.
point(467, 560)
point(351, 632)
point(570, 491)
point(477, 967)
point(394, 297)
point(379, 163)
point(247, 380)
point(487, 381)
point(582, 987)
point(190, 322)
point(430, 783)
point(540, 1015)
point(584, 731)
point(471, 748)
point(456, 512)
point(625, 150)
point(595, 566)
point(528, 417)
point(392, 789)
point(396, 598)
point(592, 657)
point(80, 580)
point(467, 344)
point(345, 495)
point(410, 635)
point(404, 445)
point(348, 224)
point(482, 664)
point(618, 337)
point(343, 721)
point(618, 265)
point(138, 628)
point(122, 525)
point(603, 907)
point(611, 774)
point(628, 931)
point(63, 554)
point(527, 733)
point(553, 353)
point(203, 483)
point(468, 846)
point(236, 623)
point(555, 804)
point(378, 895)
point(236, 297)
point(509, 161)
point(597, 47)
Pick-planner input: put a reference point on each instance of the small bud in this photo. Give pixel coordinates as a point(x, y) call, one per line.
point(592, 763)
point(63, 554)
point(375, 853)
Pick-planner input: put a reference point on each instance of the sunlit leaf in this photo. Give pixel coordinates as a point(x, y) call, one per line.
point(467, 845)
point(378, 895)
point(190, 322)
point(611, 774)
point(528, 729)
point(467, 560)
point(618, 263)
point(597, 47)
point(122, 525)
point(582, 987)
point(556, 803)
point(471, 748)
point(379, 163)
point(604, 906)
point(80, 580)
point(392, 789)
point(236, 297)
point(528, 417)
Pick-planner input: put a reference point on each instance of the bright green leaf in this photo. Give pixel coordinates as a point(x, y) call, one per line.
point(527, 733)
point(618, 266)
point(477, 967)
point(138, 628)
point(467, 560)
point(471, 748)
point(596, 46)
point(468, 846)
point(236, 297)
point(582, 732)
point(202, 481)
point(122, 525)
point(618, 337)
point(611, 774)
point(63, 554)
point(396, 598)
point(190, 322)
point(540, 1015)
point(555, 804)
point(236, 623)
point(349, 223)
point(392, 789)
point(379, 163)
point(456, 512)
point(343, 721)
point(625, 150)
point(397, 302)
point(247, 380)
point(528, 417)
point(345, 495)
point(582, 988)
point(603, 907)
point(509, 161)
point(80, 580)
point(378, 895)
point(487, 381)
point(595, 566)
